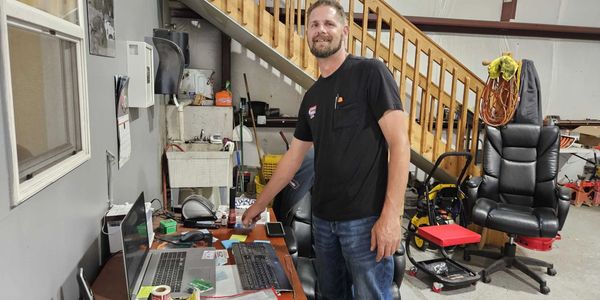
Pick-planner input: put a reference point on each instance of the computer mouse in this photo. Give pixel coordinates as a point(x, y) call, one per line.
point(192, 236)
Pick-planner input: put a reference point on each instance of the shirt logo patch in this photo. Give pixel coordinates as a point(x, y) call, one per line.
point(312, 111)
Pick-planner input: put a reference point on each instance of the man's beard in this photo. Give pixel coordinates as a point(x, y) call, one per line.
point(324, 53)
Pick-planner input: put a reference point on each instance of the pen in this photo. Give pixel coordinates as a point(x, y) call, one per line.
point(335, 101)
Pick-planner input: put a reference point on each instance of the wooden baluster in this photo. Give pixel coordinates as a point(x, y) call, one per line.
point(439, 119)
point(365, 25)
point(261, 10)
point(287, 26)
point(276, 24)
point(403, 66)
point(475, 126)
point(227, 6)
point(415, 83)
point(305, 44)
point(299, 16)
point(391, 47)
point(291, 30)
point(350, 45)
point(243, 12)
point(450, 130)
point(425, 104)
point(378, 35)
point(462, 124)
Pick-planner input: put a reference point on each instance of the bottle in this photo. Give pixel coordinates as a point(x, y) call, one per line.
point(231, 219)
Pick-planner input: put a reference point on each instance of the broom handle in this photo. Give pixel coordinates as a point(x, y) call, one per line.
point(253, 123)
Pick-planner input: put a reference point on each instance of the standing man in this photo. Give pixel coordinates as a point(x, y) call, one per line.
point(353, 117)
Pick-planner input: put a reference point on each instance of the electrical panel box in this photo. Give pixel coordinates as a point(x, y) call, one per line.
point(140, 69)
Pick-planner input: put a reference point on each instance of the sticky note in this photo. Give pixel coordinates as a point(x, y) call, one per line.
point(239, 237)
point(227, 243)
point(144, 292)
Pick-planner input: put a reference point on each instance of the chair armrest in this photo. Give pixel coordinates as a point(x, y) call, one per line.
point(472, 186)
point(399, 268)
point(563, 195)
point(290, 240)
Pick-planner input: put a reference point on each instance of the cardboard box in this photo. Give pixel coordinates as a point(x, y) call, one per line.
point(589, 135)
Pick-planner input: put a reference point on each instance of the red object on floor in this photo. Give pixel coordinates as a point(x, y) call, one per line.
point(536, 243)
point(448, 235)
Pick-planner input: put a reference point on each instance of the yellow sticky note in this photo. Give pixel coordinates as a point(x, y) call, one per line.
point(144, 292)
point(239, 237)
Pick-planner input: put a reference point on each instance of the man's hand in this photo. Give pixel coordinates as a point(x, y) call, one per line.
point(385, 236)
point(252, 214)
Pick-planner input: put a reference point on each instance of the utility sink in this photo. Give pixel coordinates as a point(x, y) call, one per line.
point(199, 165)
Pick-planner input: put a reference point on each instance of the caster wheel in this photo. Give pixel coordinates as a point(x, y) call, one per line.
point(466, 257)
point(413, 271)
point(551, 271)
point(486, 279)
point(436, 287)
point(474, 283)
point(544, 290)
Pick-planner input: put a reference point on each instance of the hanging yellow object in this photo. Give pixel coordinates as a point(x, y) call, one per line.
point(504, 65)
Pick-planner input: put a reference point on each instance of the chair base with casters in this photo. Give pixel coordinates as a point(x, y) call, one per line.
point(507, 258)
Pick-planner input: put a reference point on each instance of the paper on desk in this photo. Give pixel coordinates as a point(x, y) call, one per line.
point(239, 237)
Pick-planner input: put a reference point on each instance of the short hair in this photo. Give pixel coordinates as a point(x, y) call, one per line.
point(339, 10)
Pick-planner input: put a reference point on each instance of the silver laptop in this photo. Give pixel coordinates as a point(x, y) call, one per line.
point(173, 267)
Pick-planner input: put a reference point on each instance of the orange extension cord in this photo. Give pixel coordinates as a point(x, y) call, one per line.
point(499, 101)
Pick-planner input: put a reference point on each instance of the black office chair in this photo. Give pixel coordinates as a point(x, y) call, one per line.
point(292, 206)
point(518, 194)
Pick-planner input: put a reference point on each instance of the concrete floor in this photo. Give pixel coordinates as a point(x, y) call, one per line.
point(576, 259)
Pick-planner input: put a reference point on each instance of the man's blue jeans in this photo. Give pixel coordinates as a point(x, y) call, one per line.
point(346, 267)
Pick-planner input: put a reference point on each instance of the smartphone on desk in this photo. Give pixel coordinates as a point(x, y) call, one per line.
point(274, 229)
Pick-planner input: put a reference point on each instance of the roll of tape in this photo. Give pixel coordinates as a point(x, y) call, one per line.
point(161, 292)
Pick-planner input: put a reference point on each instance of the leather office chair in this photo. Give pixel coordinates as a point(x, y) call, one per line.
point(300, 245)
point(292, 207)
point(518, 194)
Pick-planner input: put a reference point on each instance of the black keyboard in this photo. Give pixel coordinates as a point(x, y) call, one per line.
point(259, 267)
point(170, 270)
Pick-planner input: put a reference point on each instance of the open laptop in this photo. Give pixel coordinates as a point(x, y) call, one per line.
point(149, 267)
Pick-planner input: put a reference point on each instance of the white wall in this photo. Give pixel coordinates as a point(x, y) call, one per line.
point(47, 237)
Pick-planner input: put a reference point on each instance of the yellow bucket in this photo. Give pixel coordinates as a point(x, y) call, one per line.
point(270, 162)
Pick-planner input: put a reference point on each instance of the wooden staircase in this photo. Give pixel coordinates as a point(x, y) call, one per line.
point(438, 92)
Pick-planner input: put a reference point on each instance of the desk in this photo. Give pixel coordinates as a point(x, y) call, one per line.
point(110, 283)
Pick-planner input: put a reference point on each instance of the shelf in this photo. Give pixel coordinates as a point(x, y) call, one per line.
point(274, 122)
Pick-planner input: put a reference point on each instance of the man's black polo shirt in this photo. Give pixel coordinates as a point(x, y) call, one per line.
point(339, 115)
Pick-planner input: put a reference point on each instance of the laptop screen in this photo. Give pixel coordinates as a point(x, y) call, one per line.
point(135, 241)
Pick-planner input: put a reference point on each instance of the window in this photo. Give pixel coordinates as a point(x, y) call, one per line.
point(44, 84)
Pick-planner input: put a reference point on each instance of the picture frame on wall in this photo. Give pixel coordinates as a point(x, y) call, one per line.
point(101, 27)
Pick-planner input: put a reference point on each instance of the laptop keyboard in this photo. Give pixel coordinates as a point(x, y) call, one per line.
point(170, 270)
point(258, 266)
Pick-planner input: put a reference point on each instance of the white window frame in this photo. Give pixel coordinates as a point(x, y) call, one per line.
point(22, 15)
